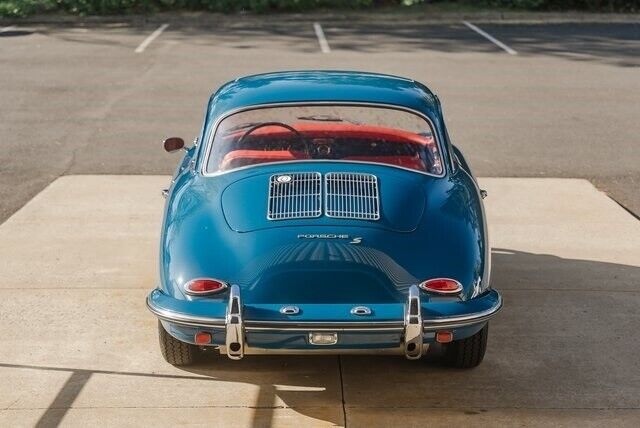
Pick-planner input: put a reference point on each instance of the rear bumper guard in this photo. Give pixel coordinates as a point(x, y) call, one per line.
point(412, 327)
point(234, 325)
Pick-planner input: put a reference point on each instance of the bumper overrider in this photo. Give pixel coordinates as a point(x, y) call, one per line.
point(238, 329)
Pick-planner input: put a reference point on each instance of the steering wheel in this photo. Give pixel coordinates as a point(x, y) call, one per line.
point(299, 136)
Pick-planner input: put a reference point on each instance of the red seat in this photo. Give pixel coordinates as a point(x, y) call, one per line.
point(239, 158)
point(412, 162)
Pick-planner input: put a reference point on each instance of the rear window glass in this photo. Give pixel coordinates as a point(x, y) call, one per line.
point(322, 132)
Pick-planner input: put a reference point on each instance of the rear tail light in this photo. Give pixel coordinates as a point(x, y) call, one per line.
point(441, 286)
point(202, 338)
point(204, 286)
point(444, 337)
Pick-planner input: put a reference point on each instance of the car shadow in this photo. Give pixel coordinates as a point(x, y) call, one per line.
point(15, 33)
point(566, 338)
point(547, 349)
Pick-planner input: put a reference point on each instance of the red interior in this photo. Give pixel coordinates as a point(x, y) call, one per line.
point(403, 161)
point(241, 157)
point(238, 158)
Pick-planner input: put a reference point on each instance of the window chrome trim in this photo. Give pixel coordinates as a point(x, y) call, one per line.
point(206, 155)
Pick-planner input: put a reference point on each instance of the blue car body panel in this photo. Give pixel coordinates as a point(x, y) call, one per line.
point(216, 226)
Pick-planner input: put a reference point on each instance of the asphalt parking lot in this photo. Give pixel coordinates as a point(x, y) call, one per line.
point(534, 109)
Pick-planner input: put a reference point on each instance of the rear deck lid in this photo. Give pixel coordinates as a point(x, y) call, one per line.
point(390, 199)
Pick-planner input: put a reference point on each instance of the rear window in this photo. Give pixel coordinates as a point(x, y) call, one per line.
point(323, 132)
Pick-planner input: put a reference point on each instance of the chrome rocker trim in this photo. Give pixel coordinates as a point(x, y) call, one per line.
point(413, 326)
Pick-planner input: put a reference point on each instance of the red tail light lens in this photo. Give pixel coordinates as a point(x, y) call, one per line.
point(444, 337)
point(201, 286)
point(202, 338)
point(441, 286)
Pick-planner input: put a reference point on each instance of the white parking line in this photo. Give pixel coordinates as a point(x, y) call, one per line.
point(492, 39)
point(322, 40)
point(146, 42)
point(9, 28)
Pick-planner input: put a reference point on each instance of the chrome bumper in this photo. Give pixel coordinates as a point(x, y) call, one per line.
point(412, 327)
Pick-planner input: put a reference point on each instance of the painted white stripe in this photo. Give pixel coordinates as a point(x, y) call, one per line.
point(9, 28)
point(492, 39)
point(146, 42)
point(322, 40)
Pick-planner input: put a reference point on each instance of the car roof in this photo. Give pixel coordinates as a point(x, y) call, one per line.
point(322, 86)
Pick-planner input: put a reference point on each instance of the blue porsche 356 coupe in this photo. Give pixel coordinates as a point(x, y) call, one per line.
point(323, 212)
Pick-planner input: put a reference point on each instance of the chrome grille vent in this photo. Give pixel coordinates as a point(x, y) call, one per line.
point(350, 195)
point(295, 195)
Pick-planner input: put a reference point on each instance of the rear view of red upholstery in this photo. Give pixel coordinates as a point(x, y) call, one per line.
point(239, 158)
point(411, 162)
point(335, 133)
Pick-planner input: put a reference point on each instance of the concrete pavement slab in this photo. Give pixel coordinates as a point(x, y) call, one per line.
point(496, 418)
point(81, 346)
point(172, 417)
point(568, 219)
point(86, 232)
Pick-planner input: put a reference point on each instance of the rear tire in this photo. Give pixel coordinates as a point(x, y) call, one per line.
point(174, 351)
point(467, 353)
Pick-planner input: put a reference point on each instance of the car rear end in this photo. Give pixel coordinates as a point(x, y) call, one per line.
point(346, 234)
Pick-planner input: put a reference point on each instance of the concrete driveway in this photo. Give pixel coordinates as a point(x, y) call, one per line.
point(79, 348)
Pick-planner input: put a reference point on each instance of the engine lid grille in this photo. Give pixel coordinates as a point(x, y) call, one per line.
point(352, 195)
point(294, 195)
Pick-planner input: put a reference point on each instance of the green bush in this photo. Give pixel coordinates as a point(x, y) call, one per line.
point(26, 7)
point(101, 7)
point(261, 5)
point(559, 5)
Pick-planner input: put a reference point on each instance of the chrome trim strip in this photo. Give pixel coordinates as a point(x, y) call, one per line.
point(184, 319)
point(327, 324)
point(413, 325)
point(429, 324)
point(209, 138)
point(462, 321)
point(336, 328)
point(249, 350)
